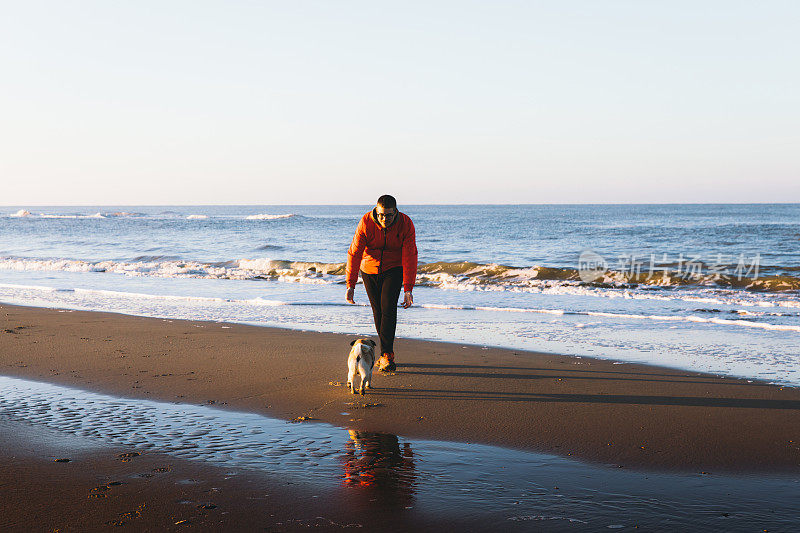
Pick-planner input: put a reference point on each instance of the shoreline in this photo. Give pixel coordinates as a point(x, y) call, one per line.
point(646, 329)
point(627, 415)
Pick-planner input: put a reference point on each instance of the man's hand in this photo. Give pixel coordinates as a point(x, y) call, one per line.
point(408, 300)
point(350, 293)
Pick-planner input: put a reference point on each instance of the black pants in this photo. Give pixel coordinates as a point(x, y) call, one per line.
point(383, 291)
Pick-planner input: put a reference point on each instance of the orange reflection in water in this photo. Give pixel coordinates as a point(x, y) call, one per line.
point(376, 462)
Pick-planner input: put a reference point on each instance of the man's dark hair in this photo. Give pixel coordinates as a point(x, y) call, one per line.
point(387, 202)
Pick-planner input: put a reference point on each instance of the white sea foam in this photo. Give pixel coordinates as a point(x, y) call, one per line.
point(490, 308)
point(124, 294)
point(611, 334)
point(29, 287)
point(124, 214)
point(265, 302)
point(573, 288)
point(244, 269)
point(71, 216)
point(24, 213)
point(197, 217)
point(693, 318)
point(624, 316)
point(266, 216)
point(452, 307)
point(258, 265)
point(308, 272)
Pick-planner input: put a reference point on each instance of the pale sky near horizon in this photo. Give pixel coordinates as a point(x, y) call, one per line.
point(320, 102)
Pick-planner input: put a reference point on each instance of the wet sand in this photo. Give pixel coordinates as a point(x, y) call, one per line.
point(625, 415)
point(50, 483)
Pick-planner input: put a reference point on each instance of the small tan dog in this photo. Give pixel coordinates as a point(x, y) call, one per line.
point(362, 357)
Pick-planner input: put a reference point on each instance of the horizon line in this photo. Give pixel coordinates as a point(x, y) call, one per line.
point(22, 206)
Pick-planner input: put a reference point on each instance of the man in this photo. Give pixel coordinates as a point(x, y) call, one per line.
point(384, 248)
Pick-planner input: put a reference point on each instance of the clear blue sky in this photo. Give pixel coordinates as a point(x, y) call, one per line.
point(257, 102)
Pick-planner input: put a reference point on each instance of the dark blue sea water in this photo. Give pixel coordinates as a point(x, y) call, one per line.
point(515, 235)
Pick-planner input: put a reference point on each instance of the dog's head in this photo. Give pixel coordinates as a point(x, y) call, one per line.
point(369, 342)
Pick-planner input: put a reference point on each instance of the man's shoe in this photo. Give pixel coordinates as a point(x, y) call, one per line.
point(386, 363)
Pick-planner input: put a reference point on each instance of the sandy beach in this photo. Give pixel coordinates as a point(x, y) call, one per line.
point(623, 415)
point(585, 215)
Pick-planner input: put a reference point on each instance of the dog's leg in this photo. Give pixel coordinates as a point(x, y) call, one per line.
point(351, 374)
point(367, 379)
point(362, 370)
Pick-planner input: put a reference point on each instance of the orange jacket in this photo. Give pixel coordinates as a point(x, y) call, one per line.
point(375, 249)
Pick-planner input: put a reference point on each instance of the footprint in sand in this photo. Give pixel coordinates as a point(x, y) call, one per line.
point(129, 454)
point(99, 491)
point(123, 517)
point(125, 457)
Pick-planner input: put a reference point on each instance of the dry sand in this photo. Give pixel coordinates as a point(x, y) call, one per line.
point(627, 415)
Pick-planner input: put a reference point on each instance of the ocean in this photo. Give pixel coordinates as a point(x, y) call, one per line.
point(711, 288)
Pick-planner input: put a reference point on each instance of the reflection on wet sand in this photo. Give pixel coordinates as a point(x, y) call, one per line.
point(376, 462)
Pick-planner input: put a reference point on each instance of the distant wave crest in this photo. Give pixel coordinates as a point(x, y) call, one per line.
point(24, 213)
point(96, 215)
point(266, 216)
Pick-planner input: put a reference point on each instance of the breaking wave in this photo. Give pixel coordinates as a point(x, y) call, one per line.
point(269, 217)
point(165, 267)
point(24, 213)
point(470, 276)
point(444, 275)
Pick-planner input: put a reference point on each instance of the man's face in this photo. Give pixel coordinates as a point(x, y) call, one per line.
point(385, 215)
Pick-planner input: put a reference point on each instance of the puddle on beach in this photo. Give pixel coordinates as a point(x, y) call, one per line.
point(491, 487)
